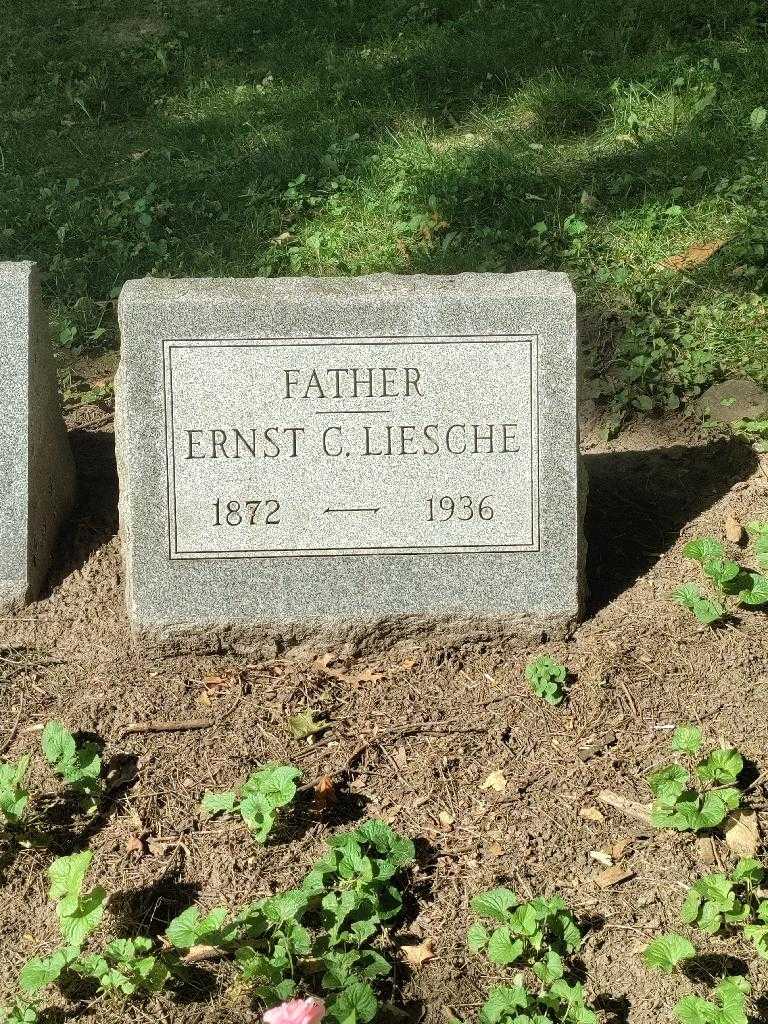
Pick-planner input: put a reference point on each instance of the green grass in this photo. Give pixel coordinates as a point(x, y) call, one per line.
point(350, 136)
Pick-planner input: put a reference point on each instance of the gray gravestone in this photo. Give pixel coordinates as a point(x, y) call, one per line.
point(355, 456)
point(36, 469)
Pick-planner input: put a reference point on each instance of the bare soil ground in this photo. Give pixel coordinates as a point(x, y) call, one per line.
point(426, 731)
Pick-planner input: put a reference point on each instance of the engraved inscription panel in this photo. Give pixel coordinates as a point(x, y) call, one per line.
point(351, 446)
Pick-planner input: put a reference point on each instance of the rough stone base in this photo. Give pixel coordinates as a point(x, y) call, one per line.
point(353, 639)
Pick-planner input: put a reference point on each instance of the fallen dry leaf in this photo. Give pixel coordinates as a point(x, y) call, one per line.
point(495, 850)
point(419, 954)
point(136, 846)
point(602, 858)
point(496, 780)
point(591, 814)
point(742, 833)
point(400, 757)
point(369, 675)
point(197, 954)
point(159, 847)
point(705, 851)
point(734, 531)
point(304, 725)
point(324, 666)
point(212, 683)
point(693, 256)
point(325, 793)
point(613, 876)
point(619, 848)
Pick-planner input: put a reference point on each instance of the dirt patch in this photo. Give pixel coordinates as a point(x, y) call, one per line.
point(431, 729)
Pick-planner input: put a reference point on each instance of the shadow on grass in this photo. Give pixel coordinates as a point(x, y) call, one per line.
point(167, 141)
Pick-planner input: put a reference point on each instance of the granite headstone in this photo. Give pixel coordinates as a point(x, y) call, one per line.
point(36, 469)
point(355, 457)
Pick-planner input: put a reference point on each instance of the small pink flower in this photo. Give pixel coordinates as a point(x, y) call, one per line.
point(296, 1011)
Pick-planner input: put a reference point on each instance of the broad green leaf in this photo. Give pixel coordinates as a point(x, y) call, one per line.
point(757, 591)
point(748, 870)
point(703, 549)
point(710, 919)
point(568, 931)
point(688, 595)
point(397, 849)
point(87, 763)
point(760, 541)
point(716, 887)
point(362, 931)
point(374, 965)
point(694, 1010)
point(66, 875)
point(275, 783)
point(550, 968)
point(258, 815)
point(758, 934)
point(524, 920)
point(503, 949)
point(39, 972)
point(691, 907)
point(722, 766)
point(668, 783)
point(477, 938)
point(712, 812)
point(18, 1013)
point(183, 930)
point(687, 739)
point(357, 1003)
point(666, 951)
point(503, 1001)
point(219, 803)
point(78, 923)
point(721, 571)
point(58, 744)
point(285, 906)
point(733, 993)
point(496, 903)
point(13, 796)
point(708, 612)
point(757, 118)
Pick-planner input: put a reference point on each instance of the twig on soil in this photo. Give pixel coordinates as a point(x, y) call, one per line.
point(356, 753)
point(12, 734)
point(640, 812)
point(182, 725)
point(628, 695)
point(431, 727)
point(758, 781)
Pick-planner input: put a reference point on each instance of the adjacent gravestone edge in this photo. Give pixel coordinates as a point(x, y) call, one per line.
point(151, 310)
point(37, 478)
